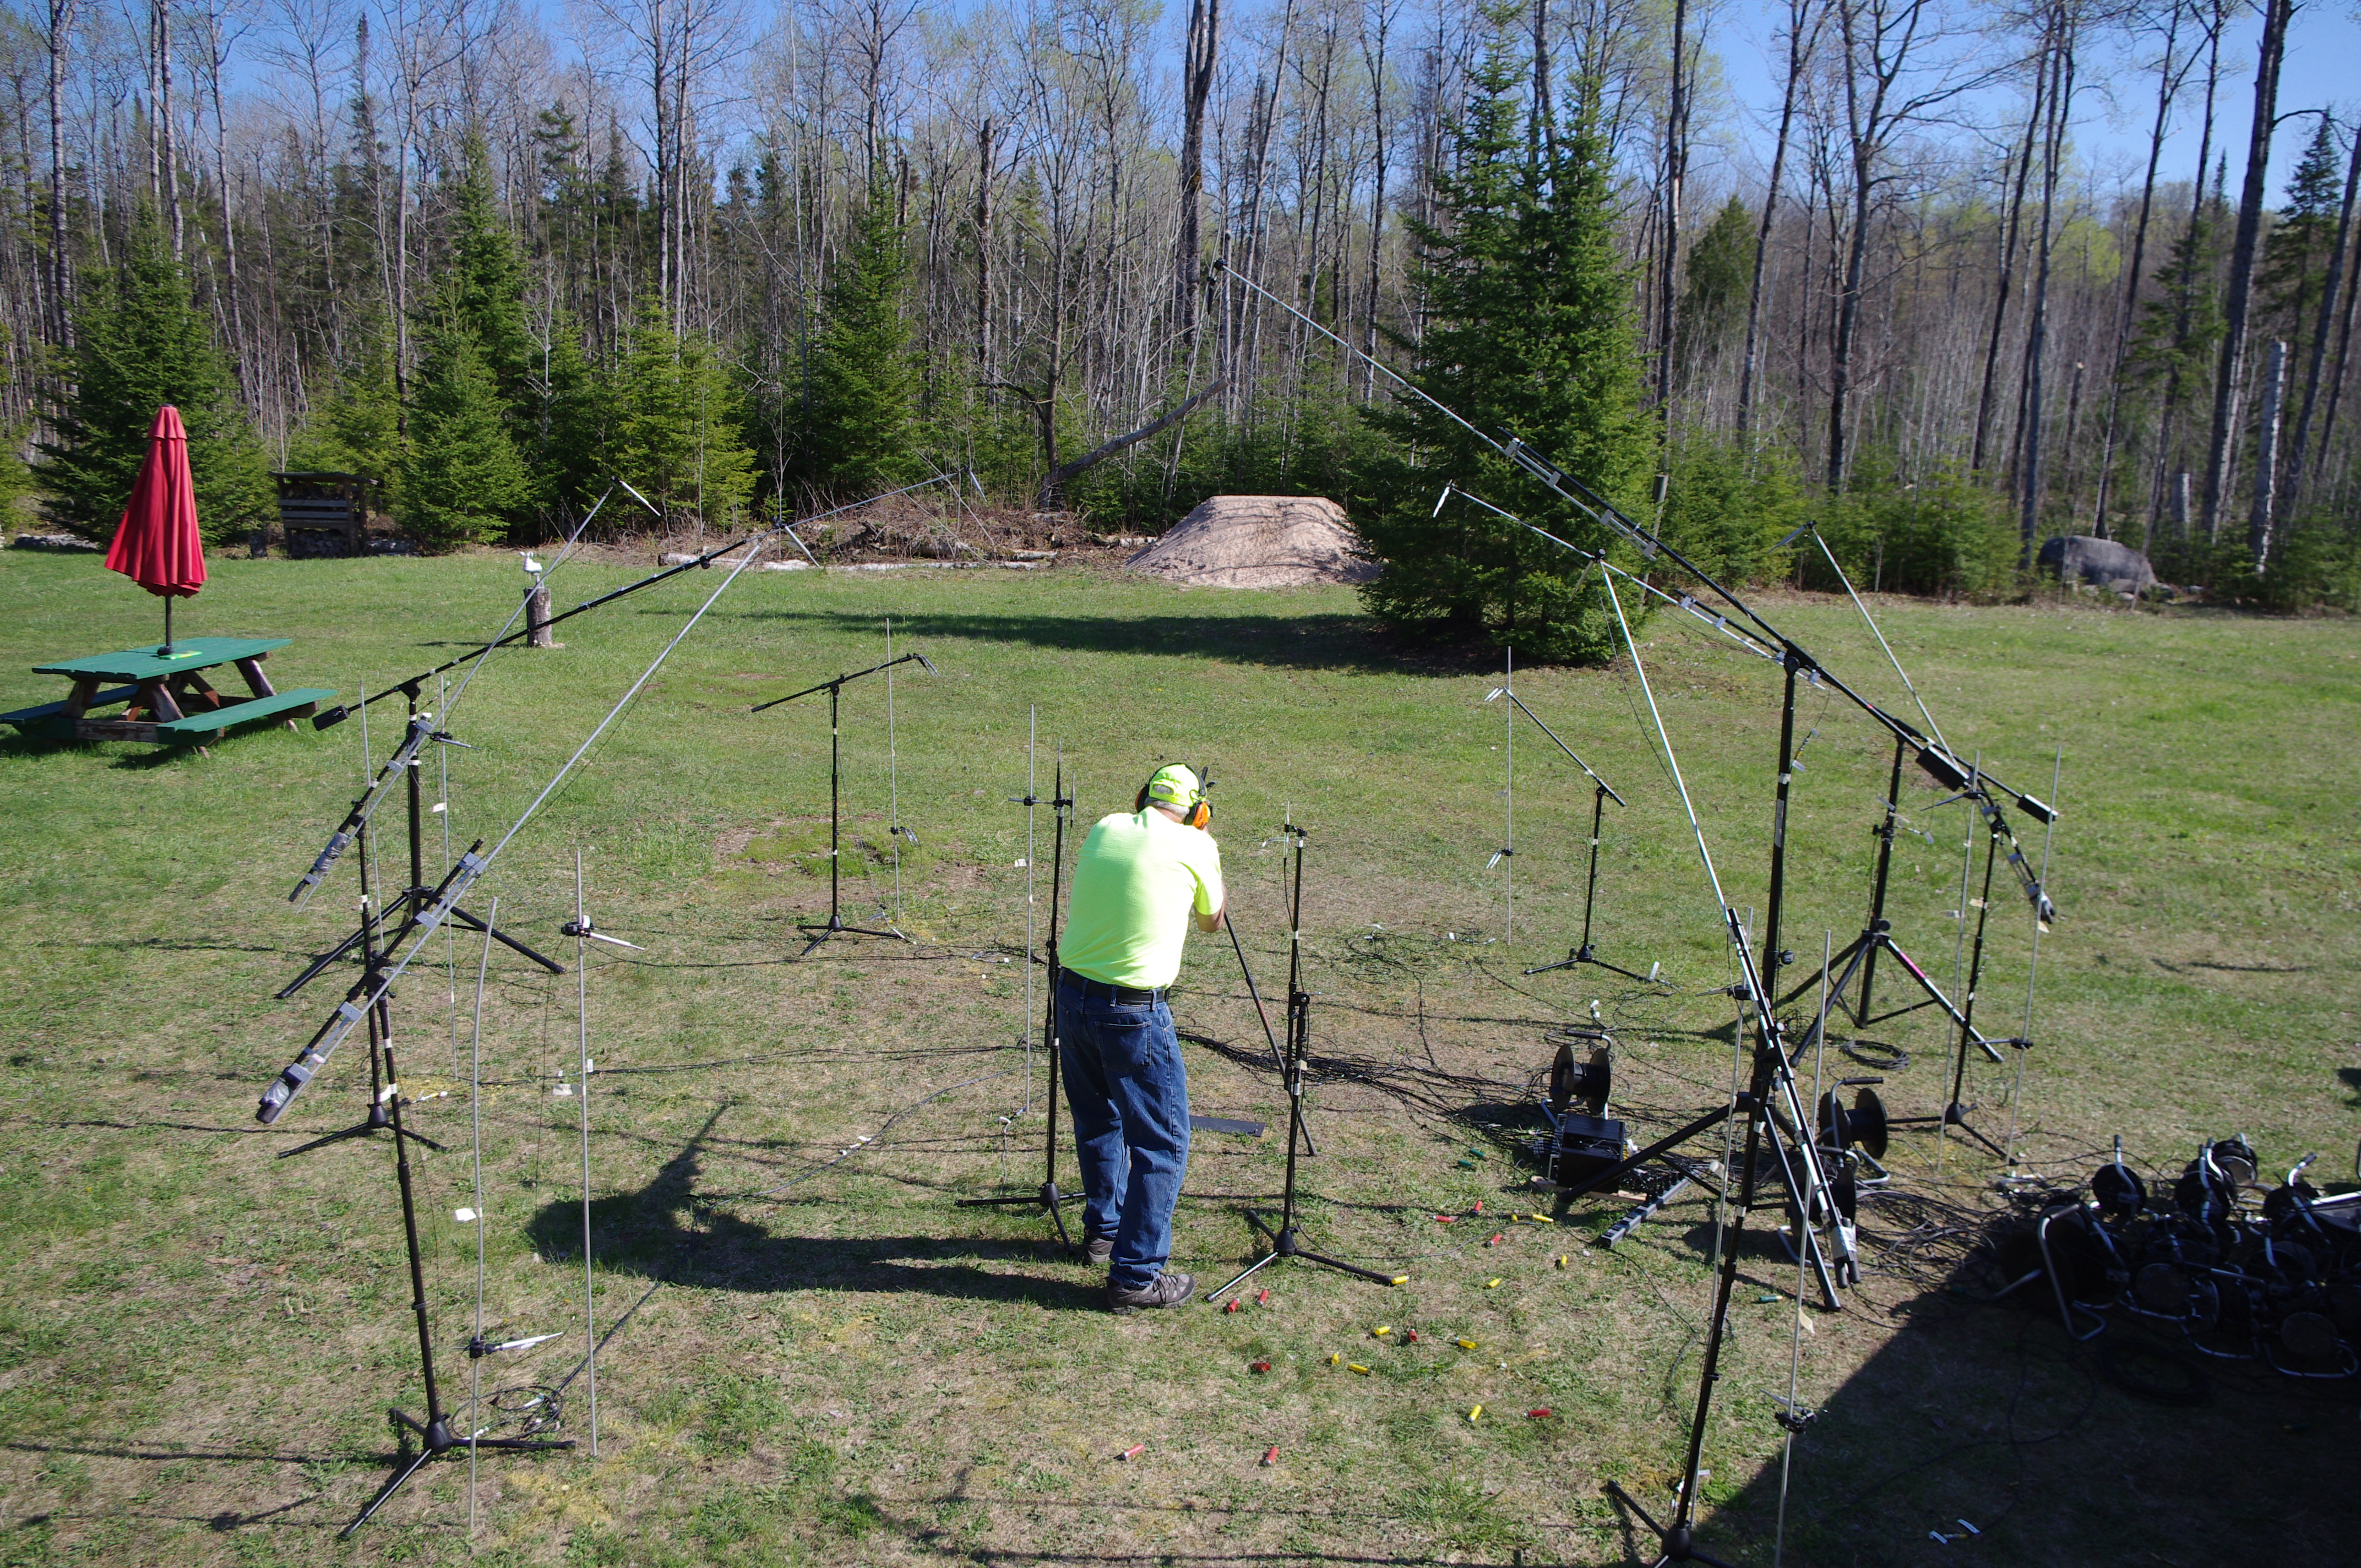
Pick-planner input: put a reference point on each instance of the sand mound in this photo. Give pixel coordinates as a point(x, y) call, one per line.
point(1257, 541)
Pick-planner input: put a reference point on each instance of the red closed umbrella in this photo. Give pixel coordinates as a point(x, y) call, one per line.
point(157, 544)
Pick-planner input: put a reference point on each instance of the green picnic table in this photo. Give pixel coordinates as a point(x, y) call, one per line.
point(168, 699)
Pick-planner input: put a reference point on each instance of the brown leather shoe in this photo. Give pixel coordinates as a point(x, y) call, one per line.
point(1166, 1290)
point(1100, 1250)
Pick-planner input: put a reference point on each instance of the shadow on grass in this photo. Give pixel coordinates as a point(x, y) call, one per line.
point(2126, 1449)
point(116, 753)
point(1326, 640)
point(667, 1230)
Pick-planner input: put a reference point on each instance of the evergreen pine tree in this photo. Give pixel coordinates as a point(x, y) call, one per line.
point(2180, 330)
point(676, 424)
point(862, 434)
point(487, 283)
point(1531, 333)
point(2295, 257)
point(462, 482)
point(577, 421)
point(141, 343)
point(357, 428)
point(1720, 268)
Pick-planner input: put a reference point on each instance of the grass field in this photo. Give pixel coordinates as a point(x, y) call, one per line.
point(821, 1359)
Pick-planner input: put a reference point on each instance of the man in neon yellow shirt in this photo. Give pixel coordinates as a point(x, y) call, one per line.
point(1139, 879)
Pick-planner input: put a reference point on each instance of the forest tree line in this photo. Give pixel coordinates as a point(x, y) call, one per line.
point(753, 258)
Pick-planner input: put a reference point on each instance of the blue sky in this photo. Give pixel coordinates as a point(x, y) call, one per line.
point(2323, 71)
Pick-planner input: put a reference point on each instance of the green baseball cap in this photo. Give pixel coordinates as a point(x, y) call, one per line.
point(1175, 786)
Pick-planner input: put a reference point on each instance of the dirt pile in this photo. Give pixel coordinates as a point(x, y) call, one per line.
point(1257, 541)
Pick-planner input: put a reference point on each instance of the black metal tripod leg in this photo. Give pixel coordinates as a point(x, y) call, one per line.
point(361, 1130)
point(319, 967)
point(385, 1493)
point(462, 917)
point(321, 964)
point(1614, 969)
point(1960, 1120)
point(1338, 1263)
point(1632, 1503)
point(1251, 1269)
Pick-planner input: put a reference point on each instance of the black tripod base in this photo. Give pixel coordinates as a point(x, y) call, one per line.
point(417, 898)
point(377, 1121)
point(1283, 1244)
point(1047, 1199)
point(435, 1441)
point(1678, 1543)
point(1586, 955)
point(835, 928)
point(1954, 1115)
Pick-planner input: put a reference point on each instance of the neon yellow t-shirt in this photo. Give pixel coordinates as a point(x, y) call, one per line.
point(1135, 883)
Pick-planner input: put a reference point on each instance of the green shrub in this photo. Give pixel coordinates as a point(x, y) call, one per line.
point(1934, 534)
point(1726, 514)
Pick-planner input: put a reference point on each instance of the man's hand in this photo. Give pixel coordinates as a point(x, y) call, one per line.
point(1211, 923)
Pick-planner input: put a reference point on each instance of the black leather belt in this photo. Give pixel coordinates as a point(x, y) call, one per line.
point(1100, 990)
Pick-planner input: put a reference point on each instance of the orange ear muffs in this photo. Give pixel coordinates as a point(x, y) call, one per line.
point(1198, 816)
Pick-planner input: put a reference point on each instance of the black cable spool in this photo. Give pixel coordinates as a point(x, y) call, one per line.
point(2086, 1267)
point(2283, 1206)
point(1845, 1192)
point(1587, 1083)
point(2164, 1289)
point(1836, 1127)
point(1868, 1128)
point(2119, 1191)
point(1861, 1125)
point(2199, 1194)
point(2309, 1336)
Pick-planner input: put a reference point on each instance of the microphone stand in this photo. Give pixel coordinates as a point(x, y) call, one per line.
point(1254, 992)
point(1046, 1197)
point(435, 1435)
point(415, 898)
point(834, 925)
point(1283, 1239)
point(1601, 792)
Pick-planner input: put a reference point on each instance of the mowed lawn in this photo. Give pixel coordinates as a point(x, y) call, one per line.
point(814, 1355)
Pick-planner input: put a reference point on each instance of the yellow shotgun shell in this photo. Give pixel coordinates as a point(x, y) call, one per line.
point(1381, 1330)
point(1401, 1278)
point(1491, 1284)
point(1478, 1412)
point(1356, 1366)
point(1465, 1343)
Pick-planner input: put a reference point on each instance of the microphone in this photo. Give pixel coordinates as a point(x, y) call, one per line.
point(643, 500)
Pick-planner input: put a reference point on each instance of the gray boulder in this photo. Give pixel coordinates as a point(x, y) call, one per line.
point(2100, 562)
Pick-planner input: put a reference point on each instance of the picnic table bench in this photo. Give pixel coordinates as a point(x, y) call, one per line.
point(167, 700)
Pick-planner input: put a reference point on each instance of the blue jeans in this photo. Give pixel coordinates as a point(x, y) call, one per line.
point(1129, 1096)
